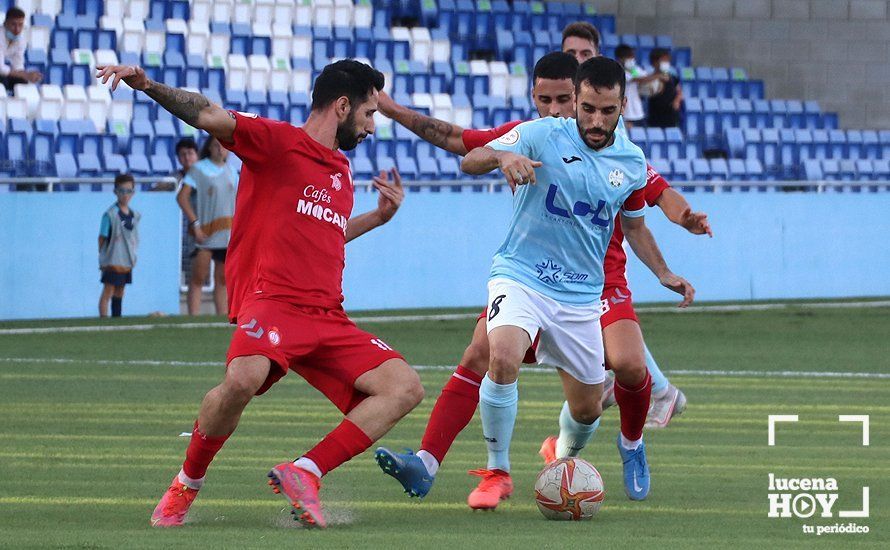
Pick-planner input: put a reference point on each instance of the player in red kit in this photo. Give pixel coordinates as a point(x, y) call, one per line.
point(553, 94)
point(284, 273)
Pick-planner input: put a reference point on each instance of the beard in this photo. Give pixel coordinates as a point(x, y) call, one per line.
point(347, 137)
point(597, 138)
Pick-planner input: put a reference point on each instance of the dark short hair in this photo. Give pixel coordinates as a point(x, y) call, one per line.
point(349, 78)
point(121, 179)
point(186, 143)
point(205, 147)
point(14, 13)
point(623, 51)
point(556, 66)
point(600, 72)
point(657, 54)
point(582, 29)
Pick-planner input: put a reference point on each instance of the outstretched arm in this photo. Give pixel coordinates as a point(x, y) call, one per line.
point(192, 108)
point(678, 211)
point(438, 132)
point(517, 169)
point(644, 246)
point(391, 196)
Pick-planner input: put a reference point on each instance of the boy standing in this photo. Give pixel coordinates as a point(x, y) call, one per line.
point(118, 240)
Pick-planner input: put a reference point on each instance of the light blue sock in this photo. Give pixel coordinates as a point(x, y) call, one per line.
point(659, 380)
point(497, 407)
point(573, 435)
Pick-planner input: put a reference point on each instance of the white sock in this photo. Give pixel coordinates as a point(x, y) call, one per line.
point(660, 393)
point(309, 465)
point(432, 465)
point(630, 445)
point(195, 484)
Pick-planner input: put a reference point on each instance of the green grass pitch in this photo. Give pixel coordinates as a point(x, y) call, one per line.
point(89, 443)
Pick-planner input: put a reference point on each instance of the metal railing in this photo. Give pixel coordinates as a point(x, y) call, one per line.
point(56, 184)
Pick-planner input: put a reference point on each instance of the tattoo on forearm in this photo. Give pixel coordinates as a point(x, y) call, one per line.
point(181, 104)
point(430, 129)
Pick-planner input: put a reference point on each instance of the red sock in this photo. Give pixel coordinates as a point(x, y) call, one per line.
point(452, 412)
point(200, 453)
point(633, 405)
point(346, 441)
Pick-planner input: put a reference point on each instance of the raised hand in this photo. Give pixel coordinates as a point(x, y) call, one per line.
point(696, 222)
point(133, 76)
point(391, 194)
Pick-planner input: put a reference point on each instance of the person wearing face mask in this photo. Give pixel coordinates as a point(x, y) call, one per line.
point(636, 77)
point(667, 100)
point(12, 52)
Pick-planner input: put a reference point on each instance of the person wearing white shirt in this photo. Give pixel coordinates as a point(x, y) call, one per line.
point(635, 76)
point(12, 52)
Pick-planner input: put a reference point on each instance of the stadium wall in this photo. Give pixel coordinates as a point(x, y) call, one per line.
point(49, 265)
point(437, 250)
point(832, 51)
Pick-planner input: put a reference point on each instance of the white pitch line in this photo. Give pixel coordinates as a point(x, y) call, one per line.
point(530, 369)
point(729, 308)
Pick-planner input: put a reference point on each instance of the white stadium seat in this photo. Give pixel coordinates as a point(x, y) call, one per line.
point(422, 101)
point(99, 101)
point(177, 26)
point(83, 57)
point(343, 13)
point(303, 15)
point(441, 50)
point(134, 35)
point(138, 9)
point(121, 110)
point(243, 12)
point(283, 12)
point(16, 107)
point(31, 96)
point(282, 36)
point(442, 107)
point(499, 79)
point(323, 13)
point(236, 76)
point(260, 68)
point(261, 28)
point(219, 44)
point(155, 42)
point(301, 46)
point(264, 11)
point(50, 7)
point(76, 102)
point(28, 6)
point(51, 102)
point(363, 15)
point(201, 11)
point(198, 37)
point(222, 11)
point(106, 57)
point(421, 45)
point(279, 80)
point(108, 22)
point(38, 38)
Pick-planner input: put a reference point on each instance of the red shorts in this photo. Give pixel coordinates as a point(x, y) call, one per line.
point(529, 358)
point(323, 346)
point(617, 305)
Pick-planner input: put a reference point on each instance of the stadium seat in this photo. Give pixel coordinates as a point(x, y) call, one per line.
point(812, 170)
point(66, 165)
point(719, 169)
point(737, 170)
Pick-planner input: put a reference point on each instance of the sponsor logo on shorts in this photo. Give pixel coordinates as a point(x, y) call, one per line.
point(619, 297)
point(274, 336)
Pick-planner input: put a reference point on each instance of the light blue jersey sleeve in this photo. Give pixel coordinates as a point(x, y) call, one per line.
point(105, 226)
point(525, 139)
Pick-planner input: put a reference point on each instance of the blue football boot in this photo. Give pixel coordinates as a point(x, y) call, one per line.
point(407, 468)
point(636, 471)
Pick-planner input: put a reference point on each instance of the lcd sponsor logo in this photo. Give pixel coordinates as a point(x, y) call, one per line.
point(815, 498)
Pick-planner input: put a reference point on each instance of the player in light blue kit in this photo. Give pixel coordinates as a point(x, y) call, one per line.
point(547, 276)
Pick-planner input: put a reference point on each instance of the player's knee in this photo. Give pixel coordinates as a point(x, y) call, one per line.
point(245, 377)
point(475, 358)
point(629, 368)
point(410, 391)
point(503, 366)
point(586, 413)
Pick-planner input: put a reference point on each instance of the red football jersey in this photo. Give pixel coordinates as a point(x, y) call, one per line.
point(616, 259)
point(289, 231)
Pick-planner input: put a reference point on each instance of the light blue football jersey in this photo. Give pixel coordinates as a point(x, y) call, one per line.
point(561, 226)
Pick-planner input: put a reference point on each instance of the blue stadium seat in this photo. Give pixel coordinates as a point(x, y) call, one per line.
point(657, 143)
point(694, 119)
point(847, 169)
point(174, 67)
point(762, 114)
point(449, 168)
point(165, 138)
point(257, 102)
point(638, 136)
point(701, 170)
point(865, 170)
point(795, 114)
point(735, 142)
point(754, 169)
point(779, 113)
point(663, 167)
point(831, 169)
point(239, 42)
point(837, 144)
point(161, 164)
point(673, 141)
point(871, 146)
point(138, 164)
point(720, 82)
point(68, 140)
point(771, 159)
point(805, 147)
point(114, 164)
point(362, 168)
point(812, 170)
point(66, 165)
point(88, 165)
point(682, 169)
point(882, 169)
point(711, 121)
point(59, 67)
point(854, 144)
point(753, 143)
point(235, 100)
point(298, 111)
point(812, 114)
point(719, 169)
point(42, 147)
point(820, 144)
point(744, 111)
point(141, 137)
point(427, 167)
point(737, 170)
point(788, 153)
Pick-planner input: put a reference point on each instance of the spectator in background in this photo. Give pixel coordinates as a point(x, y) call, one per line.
point(666, 97)
point(118, 240)
point(636, 77)
point(213, 182)
point(582, 40)
point(12, 52)
point(187, 155)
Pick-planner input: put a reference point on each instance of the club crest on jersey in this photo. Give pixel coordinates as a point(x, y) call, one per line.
point(510, 138)
point(335, 181)
point(616, 177)
point(274, 336)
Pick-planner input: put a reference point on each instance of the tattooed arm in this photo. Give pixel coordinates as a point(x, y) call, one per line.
point(438, 132)
point(192, 108)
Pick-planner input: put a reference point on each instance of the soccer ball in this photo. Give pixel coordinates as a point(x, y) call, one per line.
point(569, 489)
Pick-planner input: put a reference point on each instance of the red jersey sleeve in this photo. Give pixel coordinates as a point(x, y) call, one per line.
point(655, 185)
point(474, 139)
point(635, 205)
point(255, 139)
